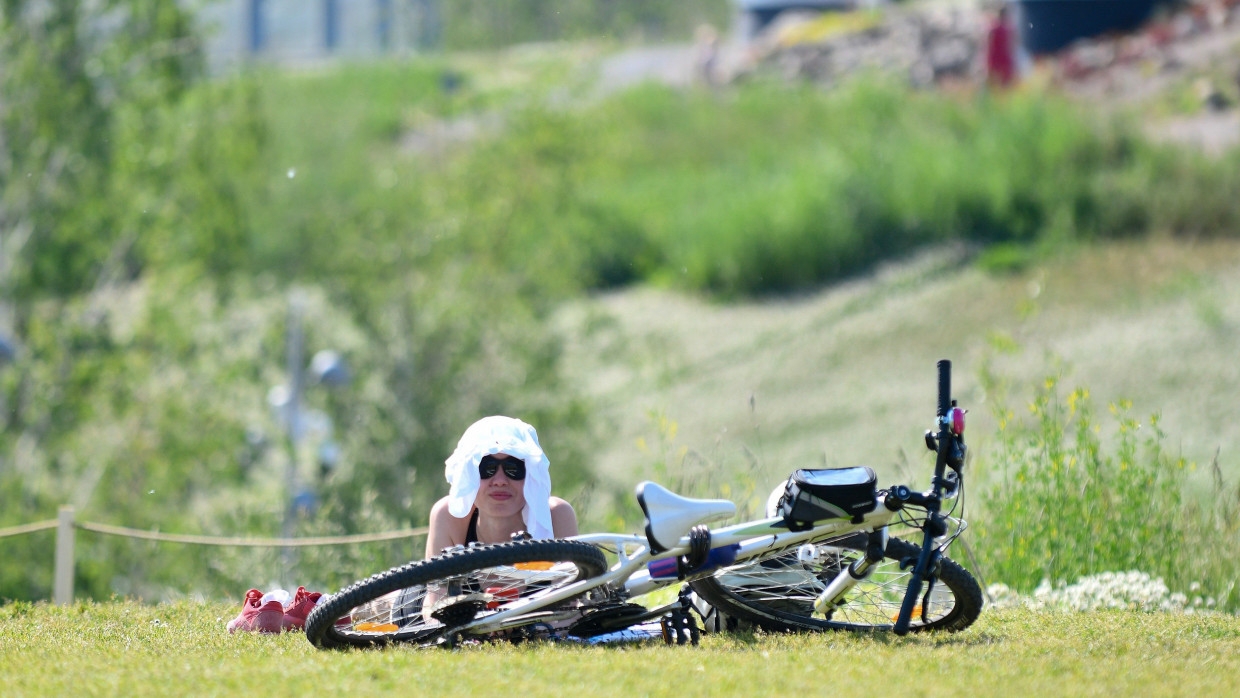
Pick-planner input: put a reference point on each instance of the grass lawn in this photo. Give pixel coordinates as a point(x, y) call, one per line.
point(126, 648)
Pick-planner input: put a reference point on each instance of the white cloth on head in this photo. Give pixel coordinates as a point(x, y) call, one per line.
point(515, 438)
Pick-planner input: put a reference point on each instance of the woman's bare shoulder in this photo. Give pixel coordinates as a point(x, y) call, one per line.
point(440, 508)
point(561, 508)
point(442, 518)
point(563, 518)
point(445, 530)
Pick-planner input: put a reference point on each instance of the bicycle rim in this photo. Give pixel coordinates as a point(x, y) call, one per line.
point(778, 591)
point(419, 602)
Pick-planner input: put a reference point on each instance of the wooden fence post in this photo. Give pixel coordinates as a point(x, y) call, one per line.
point(62, 586)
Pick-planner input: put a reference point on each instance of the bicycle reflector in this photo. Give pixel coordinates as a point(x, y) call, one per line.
point(497, 596)
point(955, 421)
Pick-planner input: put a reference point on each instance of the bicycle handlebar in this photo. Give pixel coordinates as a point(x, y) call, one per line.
point(945, 386)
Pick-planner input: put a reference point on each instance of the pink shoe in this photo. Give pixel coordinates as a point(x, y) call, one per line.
point(303, 602)
point(249, 610)
point(257, 616)
point(270, 618)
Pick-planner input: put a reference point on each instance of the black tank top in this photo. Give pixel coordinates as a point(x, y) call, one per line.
point(471, 535)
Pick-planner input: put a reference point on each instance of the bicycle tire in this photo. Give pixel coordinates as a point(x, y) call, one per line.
point(388, 607)
point(777, 591)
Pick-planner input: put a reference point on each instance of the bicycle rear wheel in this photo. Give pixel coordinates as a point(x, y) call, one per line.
point(419, 602)
point(777, 591)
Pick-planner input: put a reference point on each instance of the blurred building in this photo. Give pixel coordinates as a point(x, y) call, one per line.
point(753, 16)
point(1047, 26)
point(293, 31)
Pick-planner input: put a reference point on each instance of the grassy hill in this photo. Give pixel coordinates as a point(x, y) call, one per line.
point(740, 394)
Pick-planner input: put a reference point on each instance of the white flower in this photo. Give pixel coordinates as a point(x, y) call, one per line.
point(1131, 590)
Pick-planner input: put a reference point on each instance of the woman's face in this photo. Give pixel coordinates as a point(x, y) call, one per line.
point(499, 496)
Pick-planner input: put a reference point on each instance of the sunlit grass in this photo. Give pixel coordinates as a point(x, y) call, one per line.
point(137, 650)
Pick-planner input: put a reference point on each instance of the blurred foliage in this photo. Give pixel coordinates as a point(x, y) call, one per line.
point(77, 80)
point(1066, 500)
point(152, 253)
point(156, 227)
point(482, 24)
point(770, 188)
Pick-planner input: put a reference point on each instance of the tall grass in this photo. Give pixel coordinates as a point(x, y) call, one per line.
point(1072, 496)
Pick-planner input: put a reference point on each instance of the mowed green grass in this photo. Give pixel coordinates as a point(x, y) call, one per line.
point(126, 648)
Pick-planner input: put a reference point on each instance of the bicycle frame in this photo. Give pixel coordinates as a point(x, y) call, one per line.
point(630, 573)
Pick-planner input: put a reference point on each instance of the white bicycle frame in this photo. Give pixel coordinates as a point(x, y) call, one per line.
point(753, 538)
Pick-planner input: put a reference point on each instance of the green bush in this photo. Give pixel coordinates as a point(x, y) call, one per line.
point(1067, 500)
point(771, 188)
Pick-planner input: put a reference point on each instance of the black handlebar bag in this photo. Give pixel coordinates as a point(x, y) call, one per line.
point(836, 493)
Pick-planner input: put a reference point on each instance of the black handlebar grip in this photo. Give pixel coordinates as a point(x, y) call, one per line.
point(945, 386)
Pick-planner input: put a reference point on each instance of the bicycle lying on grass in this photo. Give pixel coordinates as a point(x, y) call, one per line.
point(822, 560)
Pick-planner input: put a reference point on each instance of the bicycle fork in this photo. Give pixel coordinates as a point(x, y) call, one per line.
point(830, 597)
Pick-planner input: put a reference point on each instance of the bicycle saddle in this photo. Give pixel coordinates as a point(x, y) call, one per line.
point(670, 516)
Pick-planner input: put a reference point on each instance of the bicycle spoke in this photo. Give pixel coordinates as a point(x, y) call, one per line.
point(421, 602)
point(423, 609)
point(783, 583)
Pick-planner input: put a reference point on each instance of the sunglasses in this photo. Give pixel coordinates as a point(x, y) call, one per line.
point(514, 468)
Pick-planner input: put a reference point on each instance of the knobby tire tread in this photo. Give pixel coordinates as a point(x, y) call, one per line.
point(320, 624)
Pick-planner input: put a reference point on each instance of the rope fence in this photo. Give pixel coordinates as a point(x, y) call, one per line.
point(65, 525)
point(28, 528)
point(249, 542)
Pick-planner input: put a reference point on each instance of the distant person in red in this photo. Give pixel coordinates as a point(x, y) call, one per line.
point(1001, 50)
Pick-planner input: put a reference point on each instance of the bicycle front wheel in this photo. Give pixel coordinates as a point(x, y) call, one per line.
point(777, 591)
point(418, 602)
